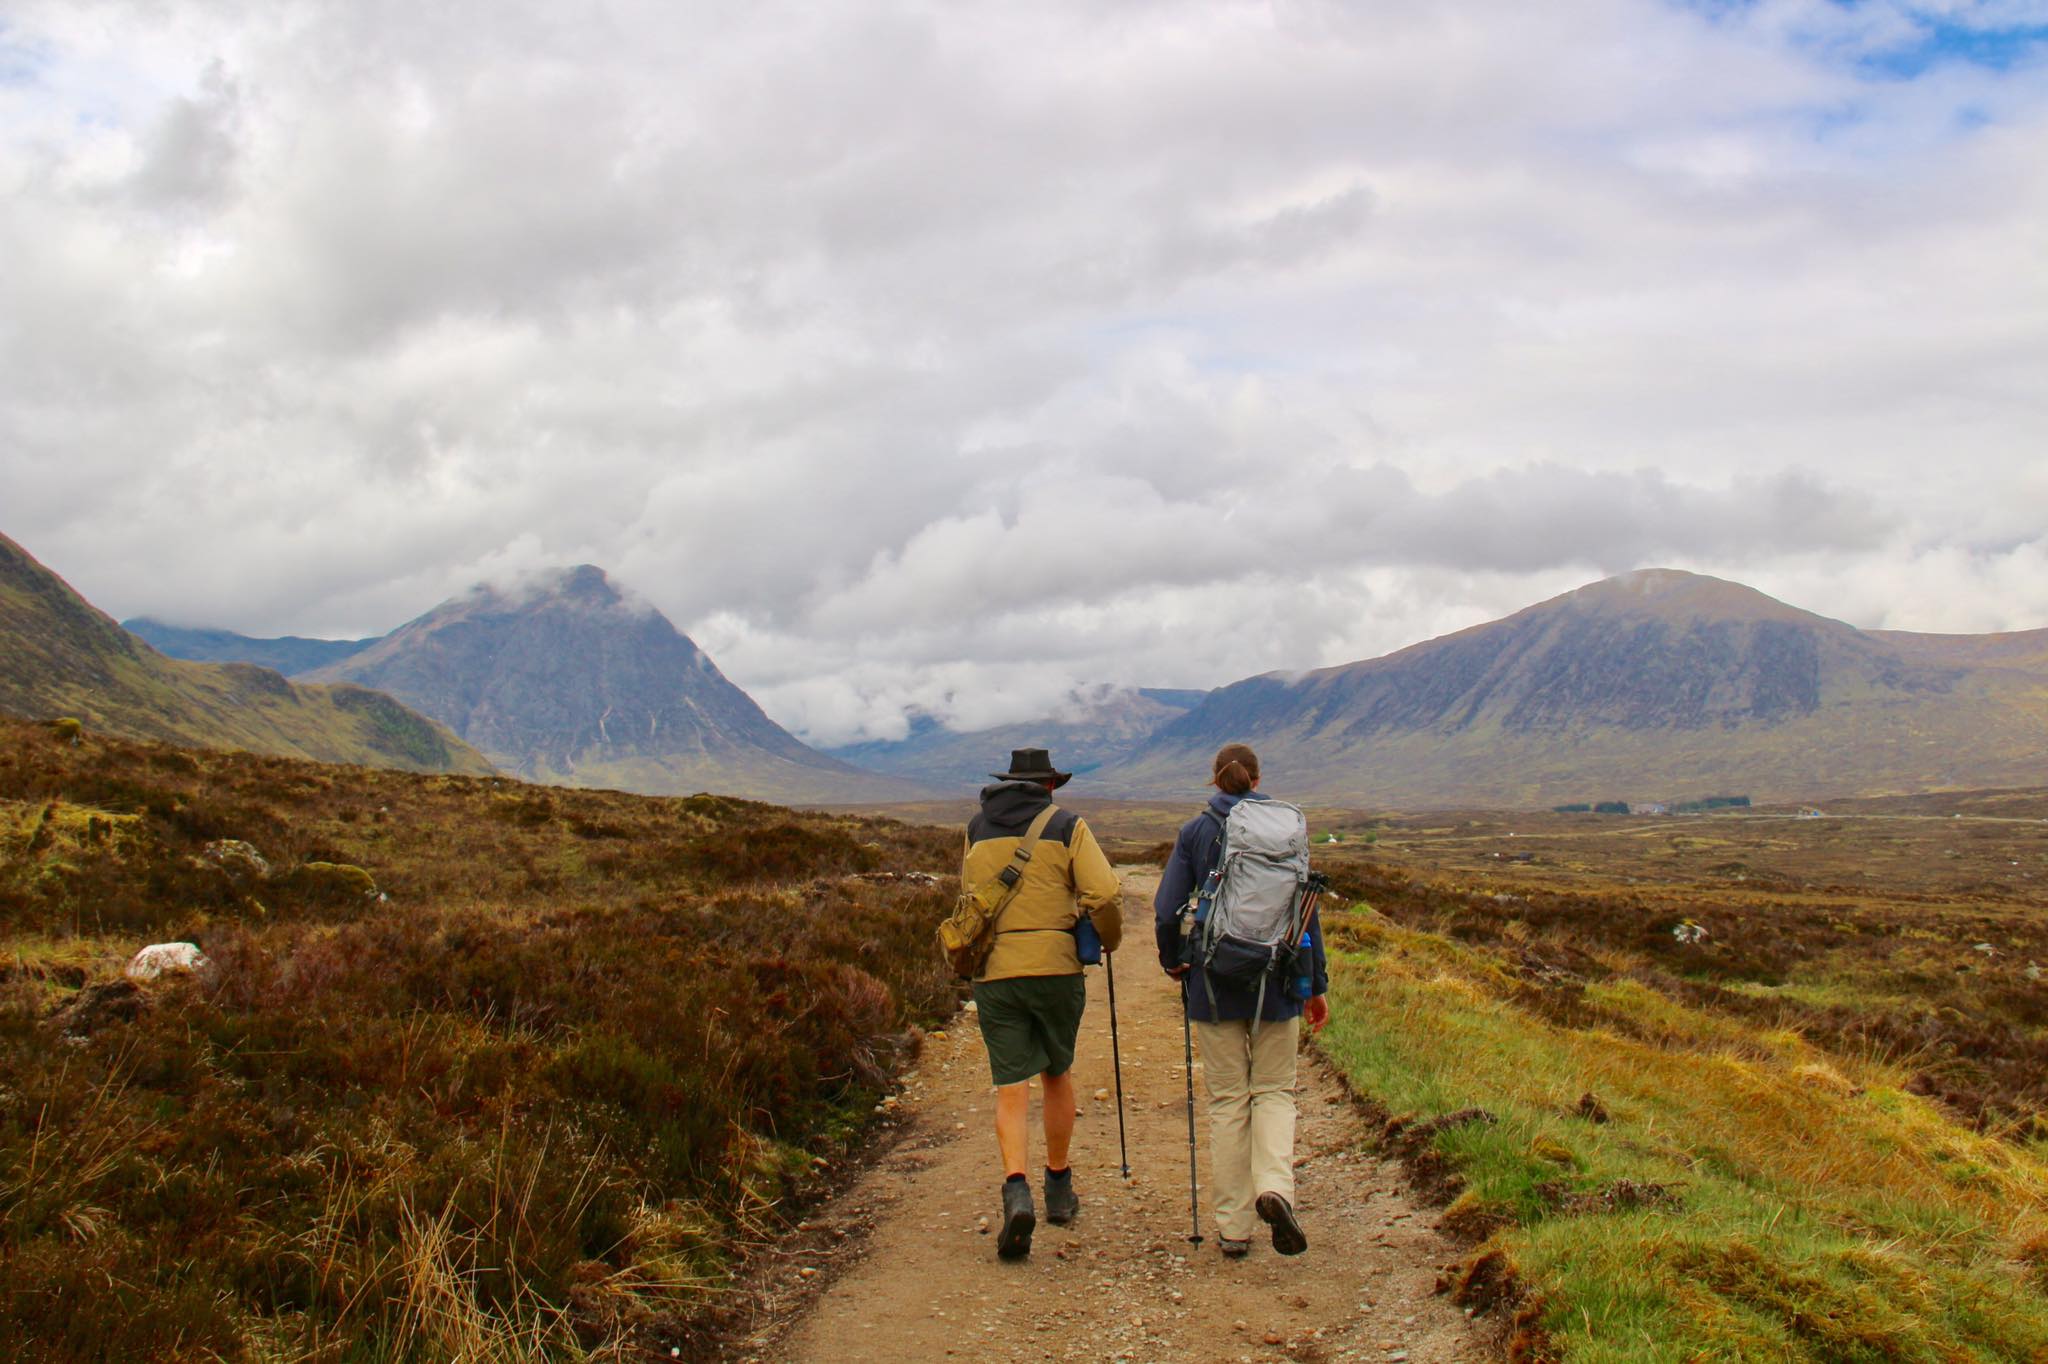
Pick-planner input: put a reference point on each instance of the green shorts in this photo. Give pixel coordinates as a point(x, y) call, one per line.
point(1029, 1024)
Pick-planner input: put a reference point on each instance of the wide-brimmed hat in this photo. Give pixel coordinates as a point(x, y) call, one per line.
point(1032, 764)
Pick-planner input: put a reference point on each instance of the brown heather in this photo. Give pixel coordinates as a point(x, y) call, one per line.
point(1890, 933)
point(482, 1070)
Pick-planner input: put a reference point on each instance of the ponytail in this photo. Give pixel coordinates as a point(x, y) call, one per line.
point(1236, 769)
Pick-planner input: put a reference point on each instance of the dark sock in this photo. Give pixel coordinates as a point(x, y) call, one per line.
point(1060, 1173)
point(1014, 1179)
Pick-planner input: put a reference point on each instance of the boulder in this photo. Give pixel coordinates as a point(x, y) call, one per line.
point(239, 860)
point(164, 958)
point(96, 1007)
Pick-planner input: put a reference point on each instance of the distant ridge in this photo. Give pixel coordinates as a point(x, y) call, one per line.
point(2025, 649)
point(1103, 727)
point(568, 682)
point(290, 654)
point(61, 657)
point(1657, 683)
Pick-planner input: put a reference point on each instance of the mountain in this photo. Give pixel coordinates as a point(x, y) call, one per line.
point(568, 682)
point(288, 655)
point(60, 657)
point(1651, 685)
point(1105, 726)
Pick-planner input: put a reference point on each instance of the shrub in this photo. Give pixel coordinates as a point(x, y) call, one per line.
point(779, 852)
point(330, 883)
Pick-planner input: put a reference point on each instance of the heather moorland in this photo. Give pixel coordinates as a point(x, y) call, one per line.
point(475, 1069)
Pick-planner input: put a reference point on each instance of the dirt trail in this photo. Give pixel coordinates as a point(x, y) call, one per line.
point(899, 1268)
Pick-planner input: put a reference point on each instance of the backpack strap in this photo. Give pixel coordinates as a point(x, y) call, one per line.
point(1196, 912)
point(1205, 893)
point(1012, 874)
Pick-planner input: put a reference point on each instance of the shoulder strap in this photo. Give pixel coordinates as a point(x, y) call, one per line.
point(1012, 874)
point(1204, 898)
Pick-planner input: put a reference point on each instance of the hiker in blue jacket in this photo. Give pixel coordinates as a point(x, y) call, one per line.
point(1249, 1072)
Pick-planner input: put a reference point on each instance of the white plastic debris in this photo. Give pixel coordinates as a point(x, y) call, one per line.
point(159, 958)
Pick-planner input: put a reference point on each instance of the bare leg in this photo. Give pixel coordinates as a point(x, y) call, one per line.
point(1059, 1118)
point(1013, 1106)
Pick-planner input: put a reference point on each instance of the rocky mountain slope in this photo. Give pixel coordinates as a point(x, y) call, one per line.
point(61, 657)
point(1103, 727)
point(568, 682)
point(1650, 685)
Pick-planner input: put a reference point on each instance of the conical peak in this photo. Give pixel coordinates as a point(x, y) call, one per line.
point(584, 585)
point(587, 581)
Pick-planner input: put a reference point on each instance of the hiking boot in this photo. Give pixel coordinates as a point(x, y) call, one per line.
point(1233, 1250)
point(1062, 1204)
point(1013, 1242)
point(1275, 1212)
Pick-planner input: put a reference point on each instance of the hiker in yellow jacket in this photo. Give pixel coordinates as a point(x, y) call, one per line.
point(1030, 994)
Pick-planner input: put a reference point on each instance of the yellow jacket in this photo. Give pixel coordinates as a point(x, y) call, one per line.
point(1067, 877)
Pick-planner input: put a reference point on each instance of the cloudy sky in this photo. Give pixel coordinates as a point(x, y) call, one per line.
point(952, 354)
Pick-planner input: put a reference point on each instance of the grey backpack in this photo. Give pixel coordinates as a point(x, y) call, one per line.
point(1249, 914)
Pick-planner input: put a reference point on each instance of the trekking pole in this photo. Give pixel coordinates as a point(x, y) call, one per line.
point(1317, 884)
point(1117, 1060)
point(1187, 1040)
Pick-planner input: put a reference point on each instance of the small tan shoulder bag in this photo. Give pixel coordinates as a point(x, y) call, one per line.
point(968, 934)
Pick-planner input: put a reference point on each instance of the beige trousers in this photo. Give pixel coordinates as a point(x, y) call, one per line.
point(1250, 1079)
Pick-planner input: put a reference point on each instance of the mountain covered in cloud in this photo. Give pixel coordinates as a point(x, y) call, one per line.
point(1100, 728)
point(568, 681)
point(61, 657)
point(1650, 685)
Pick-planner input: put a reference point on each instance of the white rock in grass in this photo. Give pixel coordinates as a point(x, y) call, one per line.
point(153, 961)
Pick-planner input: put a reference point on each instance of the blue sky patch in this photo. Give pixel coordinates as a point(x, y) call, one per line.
point(1942, 42)
point(21, 63)
point(1933, 39)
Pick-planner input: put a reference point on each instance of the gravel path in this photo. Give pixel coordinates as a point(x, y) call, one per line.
point(902, 1266)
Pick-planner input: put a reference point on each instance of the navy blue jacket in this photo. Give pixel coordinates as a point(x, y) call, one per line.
point(1193, 858)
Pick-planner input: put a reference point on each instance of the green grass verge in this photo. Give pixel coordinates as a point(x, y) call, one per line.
point(1746, 1196)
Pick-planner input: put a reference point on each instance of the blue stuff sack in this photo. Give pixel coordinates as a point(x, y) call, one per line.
point(1087, 942)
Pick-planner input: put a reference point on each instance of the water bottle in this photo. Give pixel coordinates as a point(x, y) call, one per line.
point(1304, 962)
point(1087, 942)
